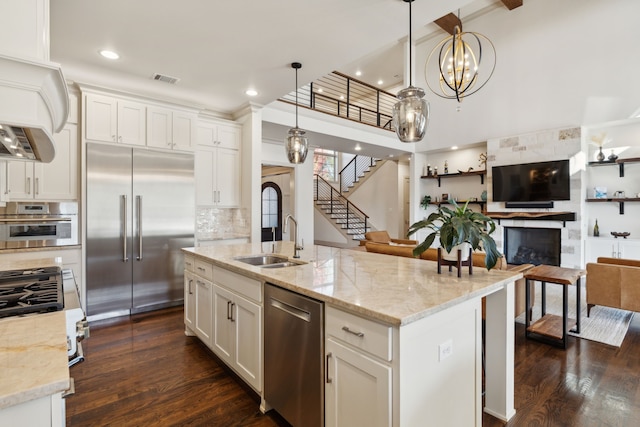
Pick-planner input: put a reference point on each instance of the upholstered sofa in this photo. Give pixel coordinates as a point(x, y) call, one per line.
point(382, 236)
point(613, 282)
point(431, 254)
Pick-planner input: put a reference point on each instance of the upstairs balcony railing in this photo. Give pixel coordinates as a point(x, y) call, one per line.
point(340, 95)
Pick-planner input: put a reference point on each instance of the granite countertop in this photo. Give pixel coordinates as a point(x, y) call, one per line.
point(391, 289)
point(33, 353)
point(33, 357)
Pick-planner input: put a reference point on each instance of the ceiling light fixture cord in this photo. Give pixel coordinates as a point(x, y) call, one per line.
point(410, 54)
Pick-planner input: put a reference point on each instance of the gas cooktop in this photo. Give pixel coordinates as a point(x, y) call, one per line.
point(31, 291)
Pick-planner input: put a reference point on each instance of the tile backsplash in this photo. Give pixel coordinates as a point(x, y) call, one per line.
point(221, 223)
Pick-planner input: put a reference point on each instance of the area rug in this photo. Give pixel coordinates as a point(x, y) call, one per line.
point(606, 325)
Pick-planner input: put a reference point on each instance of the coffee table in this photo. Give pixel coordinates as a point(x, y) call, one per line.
point(550, 328)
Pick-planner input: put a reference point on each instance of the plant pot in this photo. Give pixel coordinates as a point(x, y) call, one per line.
point(453, 255)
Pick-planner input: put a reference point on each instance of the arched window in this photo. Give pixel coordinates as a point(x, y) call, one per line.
point(271, 212)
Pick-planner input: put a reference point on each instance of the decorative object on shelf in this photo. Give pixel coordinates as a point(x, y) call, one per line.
point(296, 144)
point(483, 196)
point(445, 197)
point(429, 172)
point(467, 171)
point(612, 157)
point(424, 203)
point(455, 63)
point(619, 195)
point(458, 225)
point(446, 167)
point(435, 171)
point(424, 170)
point(411, 112)
point(596, 229)
point(600, 192)
point(622, 234)
point(599, 140)
point(482, 160)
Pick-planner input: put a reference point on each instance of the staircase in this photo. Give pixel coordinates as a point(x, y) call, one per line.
point(350, 220)
point(356, 172)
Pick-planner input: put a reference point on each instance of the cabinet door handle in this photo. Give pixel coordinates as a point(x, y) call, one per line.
point(113, 137)
point(228, 310)
point(190, 283)
point(124, 228)
point(233, 304)
point(37, 191)
point(326, 369)
point(347, 330)
point(28, 185)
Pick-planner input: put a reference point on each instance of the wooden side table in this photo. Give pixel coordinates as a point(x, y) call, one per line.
point(550, 328)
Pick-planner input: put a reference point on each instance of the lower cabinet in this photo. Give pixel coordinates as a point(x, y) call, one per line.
point(358, 388)
point(204, 312)
point(237, 336)
point(358, 377)
point(611, 248)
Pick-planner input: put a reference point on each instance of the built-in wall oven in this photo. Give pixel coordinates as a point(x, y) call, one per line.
point(38, 224)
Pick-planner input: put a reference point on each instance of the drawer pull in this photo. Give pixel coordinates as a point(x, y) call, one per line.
point(358, 334)
point(201, 268)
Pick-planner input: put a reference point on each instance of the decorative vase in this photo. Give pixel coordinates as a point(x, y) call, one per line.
point(483, 196)
point(612, 157)
point(600, 156)
point(453, 255)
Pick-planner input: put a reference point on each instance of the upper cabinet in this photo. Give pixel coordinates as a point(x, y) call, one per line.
point(110, 119)
point(57, 180)
point(133, 121)
point(170, 129)
point(219, 134)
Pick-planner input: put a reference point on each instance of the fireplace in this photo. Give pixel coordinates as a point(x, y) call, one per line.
point(532, 245)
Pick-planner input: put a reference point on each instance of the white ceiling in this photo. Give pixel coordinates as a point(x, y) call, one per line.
point(219, 49)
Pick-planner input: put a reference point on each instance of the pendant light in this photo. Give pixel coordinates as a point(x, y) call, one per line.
point(411, 112)
point(296, 145)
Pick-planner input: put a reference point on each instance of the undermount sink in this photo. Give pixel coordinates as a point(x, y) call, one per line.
point(268, 261)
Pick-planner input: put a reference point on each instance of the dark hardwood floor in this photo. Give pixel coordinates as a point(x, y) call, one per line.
point(143, 371)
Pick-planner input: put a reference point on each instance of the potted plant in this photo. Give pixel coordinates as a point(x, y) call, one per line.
point(456, 226)
point(424, 204)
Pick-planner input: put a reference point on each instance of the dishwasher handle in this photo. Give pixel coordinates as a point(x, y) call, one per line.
point(290, 309)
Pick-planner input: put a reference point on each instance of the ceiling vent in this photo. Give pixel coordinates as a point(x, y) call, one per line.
point(165, 78)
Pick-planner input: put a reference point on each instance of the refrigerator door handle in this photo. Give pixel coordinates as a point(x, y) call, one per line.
point(139, 221)
point(124, 228)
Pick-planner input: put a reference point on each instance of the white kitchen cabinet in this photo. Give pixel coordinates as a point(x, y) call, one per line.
point(189, 302)
point(219, 134)
point(170, 129)
point(237, 335)
point(111, 119)
point(204, 310)
point(358, 381)
point(217, 172)
point(611, 248)
point(358, 389)
point(57, 180)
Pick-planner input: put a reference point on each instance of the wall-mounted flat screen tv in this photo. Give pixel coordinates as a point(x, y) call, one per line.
point(531, 182)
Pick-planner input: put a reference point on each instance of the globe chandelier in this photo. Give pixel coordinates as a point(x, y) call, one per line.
point(411, 112)
point(296, 144)
point(452, 70)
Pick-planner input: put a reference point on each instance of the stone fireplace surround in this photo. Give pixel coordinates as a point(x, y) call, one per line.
point(564, 143)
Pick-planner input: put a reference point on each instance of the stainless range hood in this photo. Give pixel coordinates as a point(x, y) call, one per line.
point(34, 104)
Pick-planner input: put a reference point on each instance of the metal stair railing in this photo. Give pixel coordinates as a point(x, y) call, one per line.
point(343, 96)
point(324, 192)
point(355, 169)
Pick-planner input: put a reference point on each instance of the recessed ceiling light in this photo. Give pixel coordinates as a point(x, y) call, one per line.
point(109, 54)
point(390, 155)
point(358, 73)
point(320, 90)
point(358, 147)
point(455, 147)
point(380, 81)
point(251, 92)
point(341, 96)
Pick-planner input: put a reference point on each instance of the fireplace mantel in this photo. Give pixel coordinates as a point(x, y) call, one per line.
point(534, 216)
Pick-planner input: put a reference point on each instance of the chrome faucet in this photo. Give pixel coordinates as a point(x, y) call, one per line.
point(296, 247)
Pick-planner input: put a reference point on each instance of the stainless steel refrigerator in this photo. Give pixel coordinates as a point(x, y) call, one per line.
point(140, 212)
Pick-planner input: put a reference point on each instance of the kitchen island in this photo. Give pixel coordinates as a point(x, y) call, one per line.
point(424, 330)
point(35, 365)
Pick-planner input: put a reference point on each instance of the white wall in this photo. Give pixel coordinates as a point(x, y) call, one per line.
point(378, 198)
point(559, 63)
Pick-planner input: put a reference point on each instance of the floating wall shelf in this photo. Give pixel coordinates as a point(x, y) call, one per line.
point(481, 173)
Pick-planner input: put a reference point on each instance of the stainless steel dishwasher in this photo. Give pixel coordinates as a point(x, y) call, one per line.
point(293, 356)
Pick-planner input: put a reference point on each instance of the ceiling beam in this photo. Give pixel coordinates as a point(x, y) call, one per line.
point(449, 22)
point(512, 4)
